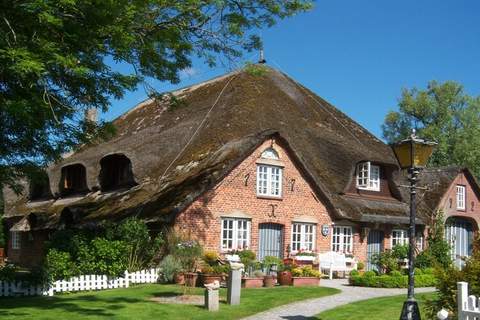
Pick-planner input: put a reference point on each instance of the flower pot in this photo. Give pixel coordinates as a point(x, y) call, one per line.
point(285, 278)
point(179, 278)
point(191, 279)
point(210, 278)
point(2, 252)
point(305, 281)
point(252, 282)
point(269, 281)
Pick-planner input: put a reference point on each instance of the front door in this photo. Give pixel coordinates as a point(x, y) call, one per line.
point(270, 240)
point(374, 246)
point(459, 234)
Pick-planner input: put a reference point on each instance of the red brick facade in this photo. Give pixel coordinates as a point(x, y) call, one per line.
point(472, 201)
point(31, 251)
point(236, 196)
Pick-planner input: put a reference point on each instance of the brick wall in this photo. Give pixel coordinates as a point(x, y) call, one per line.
point(31, 250)
point(236, 195)
point(472, 201)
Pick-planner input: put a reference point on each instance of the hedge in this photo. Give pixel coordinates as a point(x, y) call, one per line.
point(391, 281)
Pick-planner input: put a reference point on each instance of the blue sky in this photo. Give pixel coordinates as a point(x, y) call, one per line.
point(358, 55)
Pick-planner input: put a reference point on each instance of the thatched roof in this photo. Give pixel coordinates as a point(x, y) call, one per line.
point(437, 181)
point(180, 149)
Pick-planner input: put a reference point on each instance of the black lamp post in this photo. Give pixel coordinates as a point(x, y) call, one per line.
point(412, 154)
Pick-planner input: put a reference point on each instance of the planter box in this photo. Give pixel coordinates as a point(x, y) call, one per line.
point(252, 282)
point(269, 281)
point(306, 281)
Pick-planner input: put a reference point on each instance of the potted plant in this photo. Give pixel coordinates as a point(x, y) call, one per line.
point(284, 275)
point(271, 264)
point(305, 276)
point(188, 253)
point(303, 255)
point(255, 280)
point(360, 267)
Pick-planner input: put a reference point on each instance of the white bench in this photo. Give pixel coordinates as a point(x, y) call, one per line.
point(332, 261)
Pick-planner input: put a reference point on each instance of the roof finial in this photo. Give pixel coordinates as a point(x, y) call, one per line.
point(262, 59)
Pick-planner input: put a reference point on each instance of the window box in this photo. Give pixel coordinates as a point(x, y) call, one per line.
point(304, 258)
point(305, 281)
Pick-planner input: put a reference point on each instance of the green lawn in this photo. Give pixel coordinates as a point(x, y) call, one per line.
point(373, 309)
point(132, 303)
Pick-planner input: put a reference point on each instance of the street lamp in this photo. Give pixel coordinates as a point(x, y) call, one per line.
point(412, 154)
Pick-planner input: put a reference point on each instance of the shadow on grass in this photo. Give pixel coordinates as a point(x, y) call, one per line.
point(78, 305)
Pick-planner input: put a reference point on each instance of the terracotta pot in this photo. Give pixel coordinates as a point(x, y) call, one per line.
point(252, 282)
point(210, 278)
point(179, 278)
point(191, 279)
point(285, 278)
point(305, 281)
point(269, 281)
point(2, 252)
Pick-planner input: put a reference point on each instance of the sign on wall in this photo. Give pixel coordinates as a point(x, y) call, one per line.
point(325, 229)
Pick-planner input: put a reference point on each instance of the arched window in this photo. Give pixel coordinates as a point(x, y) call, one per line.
point(270, 153)
point(39, 187)
point(74, 180)
point(116, 172)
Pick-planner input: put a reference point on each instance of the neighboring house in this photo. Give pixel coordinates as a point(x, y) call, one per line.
point(240, 161)
point(455, 192)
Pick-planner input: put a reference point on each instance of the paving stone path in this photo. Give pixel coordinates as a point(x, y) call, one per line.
point(306, 309)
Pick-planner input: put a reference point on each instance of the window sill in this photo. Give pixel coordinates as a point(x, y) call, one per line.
point(368, 189)
point(269, 197)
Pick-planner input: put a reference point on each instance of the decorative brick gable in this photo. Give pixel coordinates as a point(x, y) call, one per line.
point(236, 195)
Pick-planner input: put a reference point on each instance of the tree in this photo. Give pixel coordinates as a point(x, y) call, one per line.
point(443, 113)
point(56, 59)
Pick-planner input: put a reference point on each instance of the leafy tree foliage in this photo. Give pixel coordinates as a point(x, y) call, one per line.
point(444, 113)
point(56, 59)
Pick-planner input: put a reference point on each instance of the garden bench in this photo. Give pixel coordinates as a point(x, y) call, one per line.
point(332, 261)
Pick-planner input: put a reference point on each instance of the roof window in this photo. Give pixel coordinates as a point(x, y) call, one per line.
point(74, 180)
point(116, 172)
point(368, 176)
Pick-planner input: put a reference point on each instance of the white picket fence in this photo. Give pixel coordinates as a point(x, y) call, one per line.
point(80, 283)
point(468, 306)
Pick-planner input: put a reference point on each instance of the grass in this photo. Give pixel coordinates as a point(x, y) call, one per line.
point(386, 308)
point(132, 303)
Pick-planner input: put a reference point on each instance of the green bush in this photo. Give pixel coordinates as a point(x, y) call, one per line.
point(111, 251)
point(188, 252)
point(247, 257)
point(60, 265)
point(447, 284)
point(354, 273)
point(269, 261)
point(360, 266)
point(7, 272)
point(169, 267)
point(393, 280)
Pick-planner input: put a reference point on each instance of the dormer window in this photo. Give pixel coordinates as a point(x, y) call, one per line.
point(74, 180)
point(368, 176)
point(116, 172)
point(269, 174)
point(39, 187)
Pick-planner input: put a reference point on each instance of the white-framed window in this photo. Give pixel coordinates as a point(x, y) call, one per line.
point(16, 239)
point(303, 236)
point(269, 180)
point(460, 197)
point(368, 176)
point(342, 239)
point(419, 240)
point(399, 237)
point(235, 233)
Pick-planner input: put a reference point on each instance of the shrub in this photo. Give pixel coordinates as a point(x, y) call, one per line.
point(354, 273)
point(59, 265)
point(102, 256)
point(393, 280)
point(169, 267)
point(7, 272)
point(188, 252)
point(211, 257)
point(305, 271)
point(360, 266)
point(269, 261)
point(247, 257)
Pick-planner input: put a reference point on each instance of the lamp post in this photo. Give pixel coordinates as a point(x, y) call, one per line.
point(412, 154)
